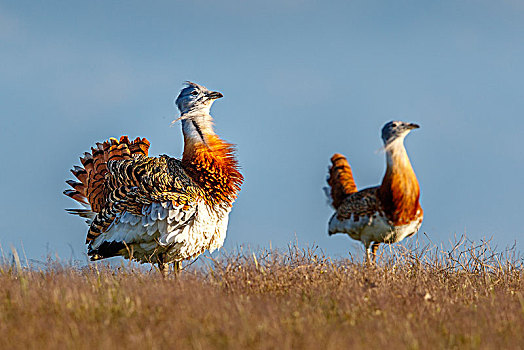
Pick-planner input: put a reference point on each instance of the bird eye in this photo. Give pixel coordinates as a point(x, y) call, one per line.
point(194, 93)
point(394, 125)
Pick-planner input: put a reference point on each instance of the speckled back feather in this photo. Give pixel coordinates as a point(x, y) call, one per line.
point(364, 203)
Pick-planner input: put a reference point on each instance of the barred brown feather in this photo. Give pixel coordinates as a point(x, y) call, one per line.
point(98, 189)
point(340, 179)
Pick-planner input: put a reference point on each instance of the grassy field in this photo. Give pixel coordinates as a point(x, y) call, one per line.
point(416, 298)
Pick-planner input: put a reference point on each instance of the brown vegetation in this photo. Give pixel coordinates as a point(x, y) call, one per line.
point(417, 298)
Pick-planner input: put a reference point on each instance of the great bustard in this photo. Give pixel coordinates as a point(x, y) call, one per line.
point(159, 209)
point(384, 214)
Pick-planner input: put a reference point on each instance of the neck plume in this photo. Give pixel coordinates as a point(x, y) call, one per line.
point(399, 191)
point(211, 162)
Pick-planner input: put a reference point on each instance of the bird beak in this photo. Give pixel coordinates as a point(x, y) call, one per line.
point(412, 126)
point(213, 95)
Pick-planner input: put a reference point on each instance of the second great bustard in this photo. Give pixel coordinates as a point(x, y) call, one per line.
point(159, 209)
point(384, 214)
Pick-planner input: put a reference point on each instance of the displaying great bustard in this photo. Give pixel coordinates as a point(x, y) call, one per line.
point(159, 209)
point(384, 214)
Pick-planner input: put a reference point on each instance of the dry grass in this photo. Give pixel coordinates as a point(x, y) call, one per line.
point(467, 297)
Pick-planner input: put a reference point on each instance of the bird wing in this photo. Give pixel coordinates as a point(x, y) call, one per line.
point(357, 212)
point(134, 198)
point(364, 203)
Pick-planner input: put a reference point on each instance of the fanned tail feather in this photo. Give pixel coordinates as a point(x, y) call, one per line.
point(340, 179)
point(91, 187)
point(77, 196)
point(83, 213)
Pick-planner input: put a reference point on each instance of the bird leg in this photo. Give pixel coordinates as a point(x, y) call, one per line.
point(368, 251)
point(177, 266)
point(374, 248)
point(371, 253)
point(164, 269)
point(163, 266)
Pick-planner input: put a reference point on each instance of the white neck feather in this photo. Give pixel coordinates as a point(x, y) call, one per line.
point(396, 152)
point(197, 126)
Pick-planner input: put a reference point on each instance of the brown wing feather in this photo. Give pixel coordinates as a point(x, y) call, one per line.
point(362, 203)
point(139, 181)
point(139, 146)
point(92, 186)
point(117, 175)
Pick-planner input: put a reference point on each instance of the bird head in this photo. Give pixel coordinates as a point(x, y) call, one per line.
point(195, 99)
point(396, 130)
point(194, 103)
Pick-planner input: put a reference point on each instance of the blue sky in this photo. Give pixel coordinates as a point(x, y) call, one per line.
point(302, 79)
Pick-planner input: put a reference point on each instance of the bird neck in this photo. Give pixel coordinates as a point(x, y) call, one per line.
point(212, 164)
point(197, 127)
point(399, 191)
